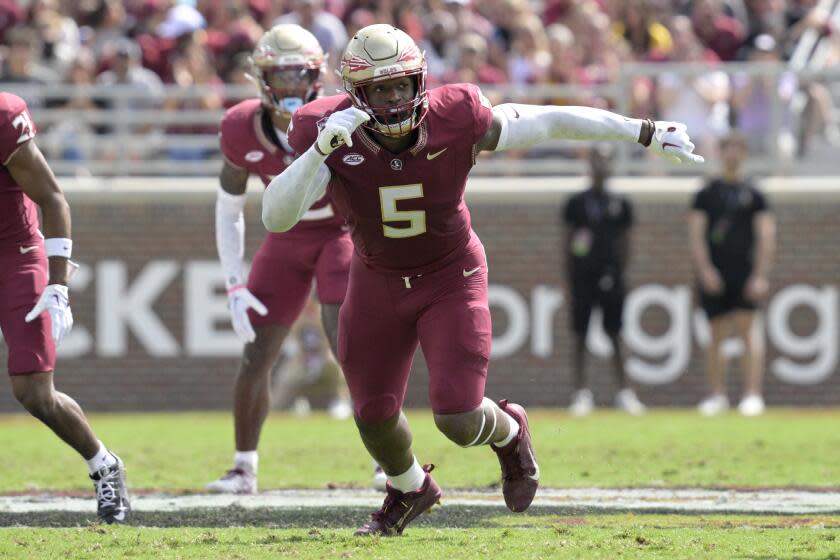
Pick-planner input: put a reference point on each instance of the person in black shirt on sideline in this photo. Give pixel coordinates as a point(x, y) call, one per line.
point(732, 236)
point(597, 247)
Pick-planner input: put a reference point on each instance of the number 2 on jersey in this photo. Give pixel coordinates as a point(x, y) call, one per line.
point(388, 197)
point(23, 123)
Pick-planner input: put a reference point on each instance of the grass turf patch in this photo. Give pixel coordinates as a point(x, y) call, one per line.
point(608, 536)
point(182, 452)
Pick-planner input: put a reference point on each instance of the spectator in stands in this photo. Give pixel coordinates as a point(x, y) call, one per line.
point(72, 137)
point(732, 241)
point(327, 28)
point(21, 60)
point(140, 89)
point(439, 44)
point(753, 98)
point(467, 19)
point(529, 57)
point(192, 69)
point(717, 31)
point(597, 245)
point(471, 66)
point(59, 34)
point(701, 102)
point(640, 24)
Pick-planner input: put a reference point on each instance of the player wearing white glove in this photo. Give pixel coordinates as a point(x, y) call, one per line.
point(515, 126)
point(55, 300)
point(33, 278)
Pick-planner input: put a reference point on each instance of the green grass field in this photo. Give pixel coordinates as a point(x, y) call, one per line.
point(607, 537)
point(181, 452)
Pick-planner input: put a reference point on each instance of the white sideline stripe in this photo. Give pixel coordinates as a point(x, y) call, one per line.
point(641, 499)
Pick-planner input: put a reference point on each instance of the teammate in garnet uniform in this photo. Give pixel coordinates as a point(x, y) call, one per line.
point(419, 273)
point(34, 306)
point(286, 65)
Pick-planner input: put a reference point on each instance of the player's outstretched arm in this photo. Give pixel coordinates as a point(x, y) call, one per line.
point(522, 126)
point(290, 194)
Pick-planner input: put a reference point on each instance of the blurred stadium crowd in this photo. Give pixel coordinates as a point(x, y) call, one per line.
point(148, 45)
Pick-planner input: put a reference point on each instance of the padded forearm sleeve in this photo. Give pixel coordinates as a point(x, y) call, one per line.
point(230, 235)
point(524, 126)
point(290, 194)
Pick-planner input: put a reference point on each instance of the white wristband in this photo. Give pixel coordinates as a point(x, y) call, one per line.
point(58, 247)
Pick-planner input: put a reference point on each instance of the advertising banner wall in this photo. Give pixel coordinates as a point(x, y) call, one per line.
point(152, 330)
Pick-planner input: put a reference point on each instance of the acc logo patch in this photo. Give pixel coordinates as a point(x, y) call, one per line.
point(353, 159)
point(254, 156)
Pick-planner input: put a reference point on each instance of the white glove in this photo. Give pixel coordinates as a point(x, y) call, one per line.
point(671, 141)
point(339, 129)
point(54, 299)
point(240, 299)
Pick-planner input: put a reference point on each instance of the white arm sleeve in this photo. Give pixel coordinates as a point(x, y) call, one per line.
point(230, 235)
point(528, 125)
point(290, 194)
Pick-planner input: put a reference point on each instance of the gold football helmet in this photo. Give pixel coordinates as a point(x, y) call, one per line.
point(287, 65)
point(382, 52)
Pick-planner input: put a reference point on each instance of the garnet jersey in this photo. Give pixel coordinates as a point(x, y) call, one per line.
point(18, 214)
point(246, 145)
point(406, 211)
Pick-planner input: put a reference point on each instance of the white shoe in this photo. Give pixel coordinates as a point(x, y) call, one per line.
point(751, 405)
point(627, 401)
point(235, 481)
point(380, 479)
point(301, 407)
point(582, 403)
point(340, 409)
point(714, 405)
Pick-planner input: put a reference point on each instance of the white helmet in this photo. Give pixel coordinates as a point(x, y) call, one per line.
point(286, 65)
point(382, 52)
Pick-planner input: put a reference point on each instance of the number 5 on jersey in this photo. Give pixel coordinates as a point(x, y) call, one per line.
point(388, 197)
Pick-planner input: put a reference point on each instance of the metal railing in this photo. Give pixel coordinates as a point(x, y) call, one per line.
point(128, 132)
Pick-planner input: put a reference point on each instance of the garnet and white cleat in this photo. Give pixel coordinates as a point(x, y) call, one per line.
point(380, 479)
point(713, 405)
point(235, 481)
point(400, 508)
point(520, 472)
point(111, 493)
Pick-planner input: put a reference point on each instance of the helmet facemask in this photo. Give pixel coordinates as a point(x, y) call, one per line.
point(396, 120)
point(286, 88)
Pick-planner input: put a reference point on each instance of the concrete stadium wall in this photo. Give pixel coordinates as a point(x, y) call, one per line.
point(151, 331)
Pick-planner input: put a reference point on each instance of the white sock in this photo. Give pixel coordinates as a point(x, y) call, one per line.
point(514, 430)
point(102, 458)
point(246, 460)
point(410, 480)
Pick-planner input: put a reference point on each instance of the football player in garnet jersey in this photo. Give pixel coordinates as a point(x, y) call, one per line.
point(395, 157)
point(34, 304)
point(287, 64)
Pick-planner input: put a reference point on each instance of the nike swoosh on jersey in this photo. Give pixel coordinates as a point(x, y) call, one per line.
point(468, 273)
point(666, 144)
point(436, 154)
point(24, 250)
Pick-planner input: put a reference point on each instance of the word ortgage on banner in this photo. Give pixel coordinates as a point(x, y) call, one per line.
point(126, 307)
